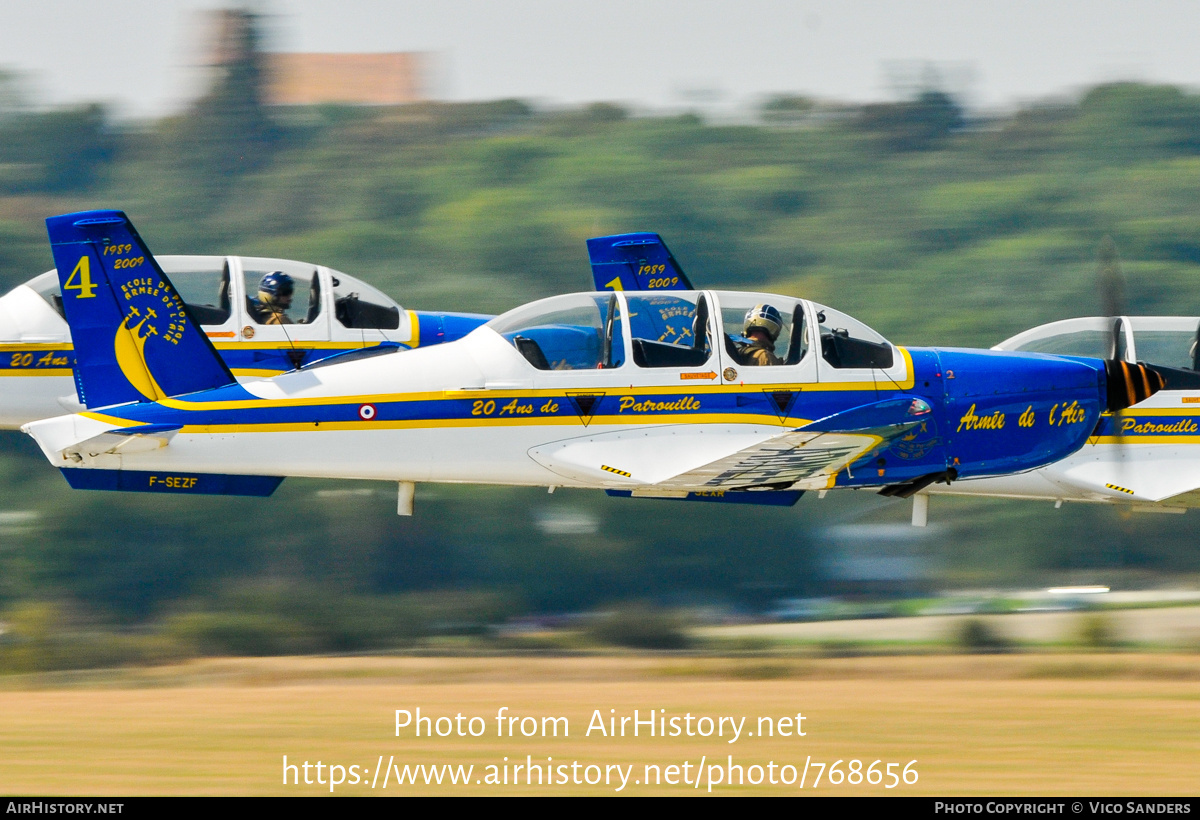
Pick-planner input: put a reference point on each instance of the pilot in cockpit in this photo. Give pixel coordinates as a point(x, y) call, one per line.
point(763, 324)
point(274, 299)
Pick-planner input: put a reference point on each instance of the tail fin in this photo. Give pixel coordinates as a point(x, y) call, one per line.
point(635, 261)
point(134, 338)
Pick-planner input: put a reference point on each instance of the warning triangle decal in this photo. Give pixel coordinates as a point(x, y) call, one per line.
point(585, 405)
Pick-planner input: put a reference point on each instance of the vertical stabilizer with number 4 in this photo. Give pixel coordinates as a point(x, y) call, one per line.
point(134, 338)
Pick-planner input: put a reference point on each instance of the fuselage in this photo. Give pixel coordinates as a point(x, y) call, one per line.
point(615, 391)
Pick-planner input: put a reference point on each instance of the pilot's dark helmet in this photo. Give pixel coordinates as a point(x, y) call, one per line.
point(766, 318)
point(275, 287)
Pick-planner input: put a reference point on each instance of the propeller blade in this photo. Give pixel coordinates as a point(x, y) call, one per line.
point(1116, 340)
point(1109, 279)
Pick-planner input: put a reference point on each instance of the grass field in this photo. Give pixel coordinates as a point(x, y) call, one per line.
point(1066, 724)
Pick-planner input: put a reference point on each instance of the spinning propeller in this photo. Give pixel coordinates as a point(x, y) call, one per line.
point(1128, 383)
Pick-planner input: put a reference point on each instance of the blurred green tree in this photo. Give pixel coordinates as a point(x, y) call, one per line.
point(55, 151)
point(919, 124)
point(228, 132)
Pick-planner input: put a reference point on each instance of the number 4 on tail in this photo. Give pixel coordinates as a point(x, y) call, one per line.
point(81, 279)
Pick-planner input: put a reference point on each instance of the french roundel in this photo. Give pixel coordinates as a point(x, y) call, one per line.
point(366, 412)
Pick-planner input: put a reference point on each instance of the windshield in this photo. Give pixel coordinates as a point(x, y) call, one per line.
point(848, 343)
point(358, 305)
point(581, 331)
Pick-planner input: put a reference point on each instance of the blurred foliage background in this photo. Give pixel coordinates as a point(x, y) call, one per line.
point(933, 225)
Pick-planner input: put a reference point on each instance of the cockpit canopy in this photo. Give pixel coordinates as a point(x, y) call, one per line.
point(216, 287)
point(588, 331)
point(1162, 340)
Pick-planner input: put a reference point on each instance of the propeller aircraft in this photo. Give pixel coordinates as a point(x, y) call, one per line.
point(644, 393)
point(1139, 457)
point(338, 313)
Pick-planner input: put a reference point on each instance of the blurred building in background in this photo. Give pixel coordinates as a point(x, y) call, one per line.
point(312, 79)
point(362, 79)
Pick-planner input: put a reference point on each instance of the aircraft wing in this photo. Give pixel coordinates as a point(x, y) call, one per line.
point(779, 462)
point(677, 459)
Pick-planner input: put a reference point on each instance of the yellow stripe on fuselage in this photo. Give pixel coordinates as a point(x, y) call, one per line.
point(45, 371)
point(26, 347)
point(250, 371)
point(298, 344)
point(563, 420)
point(436, 395)
point(1144, 438)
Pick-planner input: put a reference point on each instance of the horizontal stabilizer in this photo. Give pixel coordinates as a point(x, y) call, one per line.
point(124, 440)
point(79, 439)
point(635, 261)
point(136, 481)
point(134, 338)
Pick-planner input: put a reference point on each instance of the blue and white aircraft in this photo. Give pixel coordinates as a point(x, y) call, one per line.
point(639, 393)
point(332, 313)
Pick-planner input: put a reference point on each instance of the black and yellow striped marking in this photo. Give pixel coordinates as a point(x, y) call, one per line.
point(606, 468)
point(1119, 489)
